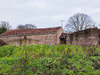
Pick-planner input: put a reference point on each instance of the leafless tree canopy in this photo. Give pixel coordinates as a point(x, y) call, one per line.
point(5, 24)
point(20, 27)
point(26, 26)
point(79, 22)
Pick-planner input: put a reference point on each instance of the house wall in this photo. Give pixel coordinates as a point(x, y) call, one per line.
point(49, 39)
point(85, 37)
point(59, 32)
point(2, 43)
point(12, 40)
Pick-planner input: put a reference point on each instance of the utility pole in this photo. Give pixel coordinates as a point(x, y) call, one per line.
point(62, 23)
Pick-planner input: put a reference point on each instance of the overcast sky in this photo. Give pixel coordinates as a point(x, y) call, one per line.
point(46, 13)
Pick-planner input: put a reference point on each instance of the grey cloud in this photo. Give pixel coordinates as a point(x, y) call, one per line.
point(46, 13)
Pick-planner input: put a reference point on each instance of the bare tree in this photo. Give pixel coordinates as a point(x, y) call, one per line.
point(30, 26)
point(79, 22)
point(20, 27)
point(5, 24)
point(26, 26)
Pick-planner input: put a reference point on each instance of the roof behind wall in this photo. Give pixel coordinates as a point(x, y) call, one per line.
point(29, 31)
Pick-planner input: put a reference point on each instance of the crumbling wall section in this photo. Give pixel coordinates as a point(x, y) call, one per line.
point(59, 32)
point(85, 37)
point(49, 39)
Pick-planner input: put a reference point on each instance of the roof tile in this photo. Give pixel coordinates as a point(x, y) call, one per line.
point(29, 31)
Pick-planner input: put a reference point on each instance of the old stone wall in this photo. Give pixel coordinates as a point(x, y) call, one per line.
point(2, 43)
point(12, 40)
point(59, 32)
point(85, 37)
point(49, 36)
point(49, 39)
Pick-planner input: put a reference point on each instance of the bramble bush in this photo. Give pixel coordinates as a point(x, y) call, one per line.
point(49, 60)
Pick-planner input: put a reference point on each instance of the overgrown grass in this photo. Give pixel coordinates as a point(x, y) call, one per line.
point(49, 60)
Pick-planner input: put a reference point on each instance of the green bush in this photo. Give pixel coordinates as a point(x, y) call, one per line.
point(49, 60)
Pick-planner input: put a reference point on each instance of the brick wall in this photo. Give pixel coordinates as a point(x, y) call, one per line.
point(49, 36)
point(85, 37)
point(12, 40)
point(59, 32)
point(49, 39)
